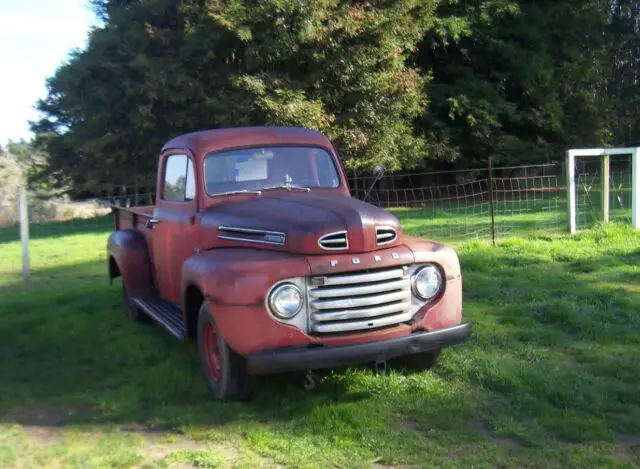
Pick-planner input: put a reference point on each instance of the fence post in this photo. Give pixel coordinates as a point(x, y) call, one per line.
point(635, 190)
point(491, 211)
point(24, 236)
point(571, 190)
point(604, 189)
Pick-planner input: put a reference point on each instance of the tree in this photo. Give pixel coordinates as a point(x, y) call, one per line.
point(407, 83)
point(516, 81)
point(159, 67)
point(335, 66)
point(622, 73)
point(11, 178)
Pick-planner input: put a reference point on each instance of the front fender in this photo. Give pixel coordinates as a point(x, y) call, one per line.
point(235, 282)
point(239, 276)
point(129, 250)
point(446, 311)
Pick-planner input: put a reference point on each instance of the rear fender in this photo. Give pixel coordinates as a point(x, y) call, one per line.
point(129, 251)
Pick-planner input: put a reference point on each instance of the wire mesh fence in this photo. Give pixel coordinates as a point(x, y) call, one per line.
point(54, 224)
point(50, 217)
point(448, 206)
point(589, 187)
point(458, 205)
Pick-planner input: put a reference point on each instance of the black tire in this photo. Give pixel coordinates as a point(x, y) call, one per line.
point(229, 380)
point(420, 361)
point(132, 310)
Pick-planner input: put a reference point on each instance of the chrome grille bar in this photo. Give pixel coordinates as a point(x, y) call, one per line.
point(357, 302)
point(362, 300)
point(334, 292)
point(376, 276)
point(324, 328)
point(357, 313)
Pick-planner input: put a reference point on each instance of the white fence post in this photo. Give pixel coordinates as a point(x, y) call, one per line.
point(24, 236)
point(635, 191)
point(571, 191)
point(604, 187)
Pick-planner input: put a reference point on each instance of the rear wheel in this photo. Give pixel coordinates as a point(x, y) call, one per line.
point(224, 370)
point(131, 309)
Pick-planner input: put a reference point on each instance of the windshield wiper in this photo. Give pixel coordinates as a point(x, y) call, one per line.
point(244, 191)
point(288, 187)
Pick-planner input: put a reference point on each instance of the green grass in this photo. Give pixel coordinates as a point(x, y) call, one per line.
point(548, 380)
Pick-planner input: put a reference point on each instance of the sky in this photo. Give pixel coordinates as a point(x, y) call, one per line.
point(36, 36)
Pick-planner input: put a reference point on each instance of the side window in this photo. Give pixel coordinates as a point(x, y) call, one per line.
point(190, 189)
point(179, 180)
point(327, 174)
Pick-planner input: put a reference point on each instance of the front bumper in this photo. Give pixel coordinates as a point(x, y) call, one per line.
point(302, 359)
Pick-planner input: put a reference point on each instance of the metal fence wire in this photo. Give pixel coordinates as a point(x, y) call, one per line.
point(589, 189)
point(449, 206)
point(480, 203)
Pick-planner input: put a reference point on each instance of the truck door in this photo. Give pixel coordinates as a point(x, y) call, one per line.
point(174, 234)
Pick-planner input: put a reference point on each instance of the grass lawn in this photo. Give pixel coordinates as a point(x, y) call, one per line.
point(550, 378)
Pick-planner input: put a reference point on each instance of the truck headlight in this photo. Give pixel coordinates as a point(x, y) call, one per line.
point(426, 282)
point(285, 301)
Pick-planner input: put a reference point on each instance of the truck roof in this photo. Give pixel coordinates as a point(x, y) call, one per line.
point(206, 141)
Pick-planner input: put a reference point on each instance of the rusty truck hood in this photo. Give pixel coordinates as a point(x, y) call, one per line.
point(295, 221)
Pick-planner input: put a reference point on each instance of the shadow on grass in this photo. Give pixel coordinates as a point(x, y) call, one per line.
point(71, 345)
point(553, 358)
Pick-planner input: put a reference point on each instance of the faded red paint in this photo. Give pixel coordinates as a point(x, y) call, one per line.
point(184, 250)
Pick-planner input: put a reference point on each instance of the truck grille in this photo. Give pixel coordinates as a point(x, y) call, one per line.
point(360, 300)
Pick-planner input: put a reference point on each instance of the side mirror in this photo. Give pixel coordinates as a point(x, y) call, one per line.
point(378, 171)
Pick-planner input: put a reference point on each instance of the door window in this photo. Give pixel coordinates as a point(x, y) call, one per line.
point(179, 180)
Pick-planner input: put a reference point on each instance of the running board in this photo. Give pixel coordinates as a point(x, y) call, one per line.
point(166, 314)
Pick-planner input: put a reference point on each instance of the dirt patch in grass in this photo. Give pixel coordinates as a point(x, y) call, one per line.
point(160, 449)
point(149, 430)
point(506, 443)
point(42, 436)
point(154, 445)
point(416, 427)
point(628, 446)
point(47, 416)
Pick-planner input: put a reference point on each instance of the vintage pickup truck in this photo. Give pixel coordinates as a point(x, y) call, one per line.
point(256, 248)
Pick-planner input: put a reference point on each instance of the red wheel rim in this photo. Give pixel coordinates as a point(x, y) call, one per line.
point(212, 351)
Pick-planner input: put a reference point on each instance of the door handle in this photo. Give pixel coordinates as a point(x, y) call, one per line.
point(151, 222)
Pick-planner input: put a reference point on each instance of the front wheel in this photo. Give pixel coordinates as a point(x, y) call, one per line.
point(224, 370)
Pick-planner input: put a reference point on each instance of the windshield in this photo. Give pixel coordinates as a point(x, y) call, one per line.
point(257, 168)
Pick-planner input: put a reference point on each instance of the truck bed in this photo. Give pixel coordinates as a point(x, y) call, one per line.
point(131, 217)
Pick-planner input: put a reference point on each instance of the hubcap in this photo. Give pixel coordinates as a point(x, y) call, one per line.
point(212, 351)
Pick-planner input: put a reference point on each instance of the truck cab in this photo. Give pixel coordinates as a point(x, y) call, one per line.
point(256, 249)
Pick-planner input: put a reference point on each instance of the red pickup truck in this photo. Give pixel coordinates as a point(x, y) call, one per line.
point(256, 248)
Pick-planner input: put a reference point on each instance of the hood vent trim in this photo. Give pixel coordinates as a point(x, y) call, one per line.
point(251, 235)
point(385, 235)
point(335, 241)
